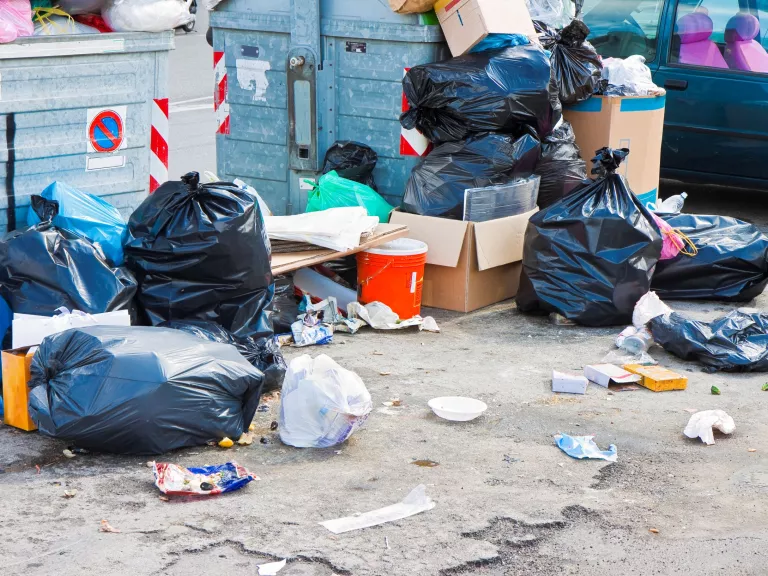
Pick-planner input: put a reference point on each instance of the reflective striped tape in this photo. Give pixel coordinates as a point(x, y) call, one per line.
point(158, 158)
point(220, 104)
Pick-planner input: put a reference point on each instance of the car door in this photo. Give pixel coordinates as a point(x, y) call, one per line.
point(716, 124)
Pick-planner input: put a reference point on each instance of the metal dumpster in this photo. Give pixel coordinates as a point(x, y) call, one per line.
point(294, 76)
point(91, 111)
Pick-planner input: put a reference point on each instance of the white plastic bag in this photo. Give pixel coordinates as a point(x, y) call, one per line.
point(31, 330)
point(701, 424)
point(322, 404)
point(554, 13)
point(629, 77)
point(145, 15)
point(15, 20)
point(56, 25)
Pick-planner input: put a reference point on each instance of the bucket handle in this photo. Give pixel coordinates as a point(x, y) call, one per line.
point(367, 280)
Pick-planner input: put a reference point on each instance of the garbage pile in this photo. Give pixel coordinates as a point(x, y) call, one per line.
point(20, 18)
point(150, 320)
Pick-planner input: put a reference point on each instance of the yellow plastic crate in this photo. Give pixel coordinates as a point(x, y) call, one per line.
point(658, 378)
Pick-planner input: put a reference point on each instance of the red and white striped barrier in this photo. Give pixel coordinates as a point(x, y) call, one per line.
point(220, 104)
point(412, 142)
point(158, 156)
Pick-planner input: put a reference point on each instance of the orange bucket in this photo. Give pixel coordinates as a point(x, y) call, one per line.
point(393, 274)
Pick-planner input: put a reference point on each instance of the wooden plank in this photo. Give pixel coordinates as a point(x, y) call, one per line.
point(290, 261)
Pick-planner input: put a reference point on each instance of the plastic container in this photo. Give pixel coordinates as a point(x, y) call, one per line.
point(457, 408)
point(492, 202)
point(317, 285)
point(393, 274)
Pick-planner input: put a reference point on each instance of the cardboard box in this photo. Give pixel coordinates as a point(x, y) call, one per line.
point(605, 374)
point(469, 264)
point(466, 22)
point(568, 383)
point(16, 364)
point(658, 378)
point(634, 122)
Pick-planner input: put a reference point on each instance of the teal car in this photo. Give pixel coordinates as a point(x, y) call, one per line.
point(712, 58)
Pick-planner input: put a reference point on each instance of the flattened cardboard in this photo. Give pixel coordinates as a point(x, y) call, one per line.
point(467, 22)
point(634, 122)
point(289, 261)
point(453, 277)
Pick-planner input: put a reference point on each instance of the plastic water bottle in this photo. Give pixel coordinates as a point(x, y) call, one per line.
point(635, 341)
point(673, 204)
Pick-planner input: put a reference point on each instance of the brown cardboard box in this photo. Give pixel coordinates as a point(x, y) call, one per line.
point(469, 264)
point(634, 122)
point(16, 364)
point(466, 22)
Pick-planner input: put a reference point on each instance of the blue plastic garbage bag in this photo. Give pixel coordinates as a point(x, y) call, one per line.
point(584, 447)
point(6, 318)
point(499, 41)
point(83, 214)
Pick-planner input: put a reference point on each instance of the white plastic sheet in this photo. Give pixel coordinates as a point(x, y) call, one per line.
point(31, 330)
point(336, 228)
point(416, 502)
point(632, 74)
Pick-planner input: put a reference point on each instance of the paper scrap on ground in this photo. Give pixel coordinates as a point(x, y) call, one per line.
point(416, 502)
point(701, 424)
point(379, 316)
point(271, 569)
point(584, 447)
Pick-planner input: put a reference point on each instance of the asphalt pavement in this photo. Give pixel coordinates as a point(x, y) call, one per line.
point(193, 123)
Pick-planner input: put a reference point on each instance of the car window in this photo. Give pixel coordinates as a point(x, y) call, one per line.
point(622, 28)
point(721, 34)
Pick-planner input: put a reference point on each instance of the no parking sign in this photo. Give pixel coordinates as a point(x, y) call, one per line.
point(106, 131)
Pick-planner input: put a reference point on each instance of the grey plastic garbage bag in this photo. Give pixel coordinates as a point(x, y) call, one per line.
point(561, 168)
point(590, 256)
point(44, 268)
point(200, 252)
point(140, 390)
point(263, 353)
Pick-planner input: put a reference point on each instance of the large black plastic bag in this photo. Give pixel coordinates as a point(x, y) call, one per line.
point(737, 342)
point(437, 183)
point(263, 353)
point(591, 255)
point(140, 390)
point(561, 168)
point(353, 161)
point(44, 268)
point(200, 251)
point(731, 263)
point(494, 91)
point(575, 63)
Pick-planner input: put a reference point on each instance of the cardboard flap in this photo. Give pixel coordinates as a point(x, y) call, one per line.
point(444, 237)
point(500, 241)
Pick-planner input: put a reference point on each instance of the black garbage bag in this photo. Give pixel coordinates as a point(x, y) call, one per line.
point(263, 353)
point(731, 263)
point(575, 63)
point(353, 161)
point(285, 305)
point(140, 390)
point(493, 91)
point(200, 252)
point(437, 183)
point(44, 268)
point(561, 168)
point(737, 342)
point(591, 255)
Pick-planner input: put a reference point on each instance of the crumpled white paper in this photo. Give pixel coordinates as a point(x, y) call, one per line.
point(701, 424)
point(416, 502)
point(381, 317)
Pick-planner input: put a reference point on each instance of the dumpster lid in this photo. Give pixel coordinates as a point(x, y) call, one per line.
point(86, 44)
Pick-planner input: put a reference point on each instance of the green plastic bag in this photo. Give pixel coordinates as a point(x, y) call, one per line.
point(333, 191)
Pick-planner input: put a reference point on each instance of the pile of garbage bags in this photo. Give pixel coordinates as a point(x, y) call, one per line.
point(192, 269)
point(560, 167)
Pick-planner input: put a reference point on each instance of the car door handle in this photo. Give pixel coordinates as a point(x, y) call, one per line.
point(673, 84)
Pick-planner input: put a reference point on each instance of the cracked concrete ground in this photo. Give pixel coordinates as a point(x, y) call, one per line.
point(508, 501)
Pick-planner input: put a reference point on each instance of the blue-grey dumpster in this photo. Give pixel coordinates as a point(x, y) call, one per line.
point(294, 76)
point(90, 110)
